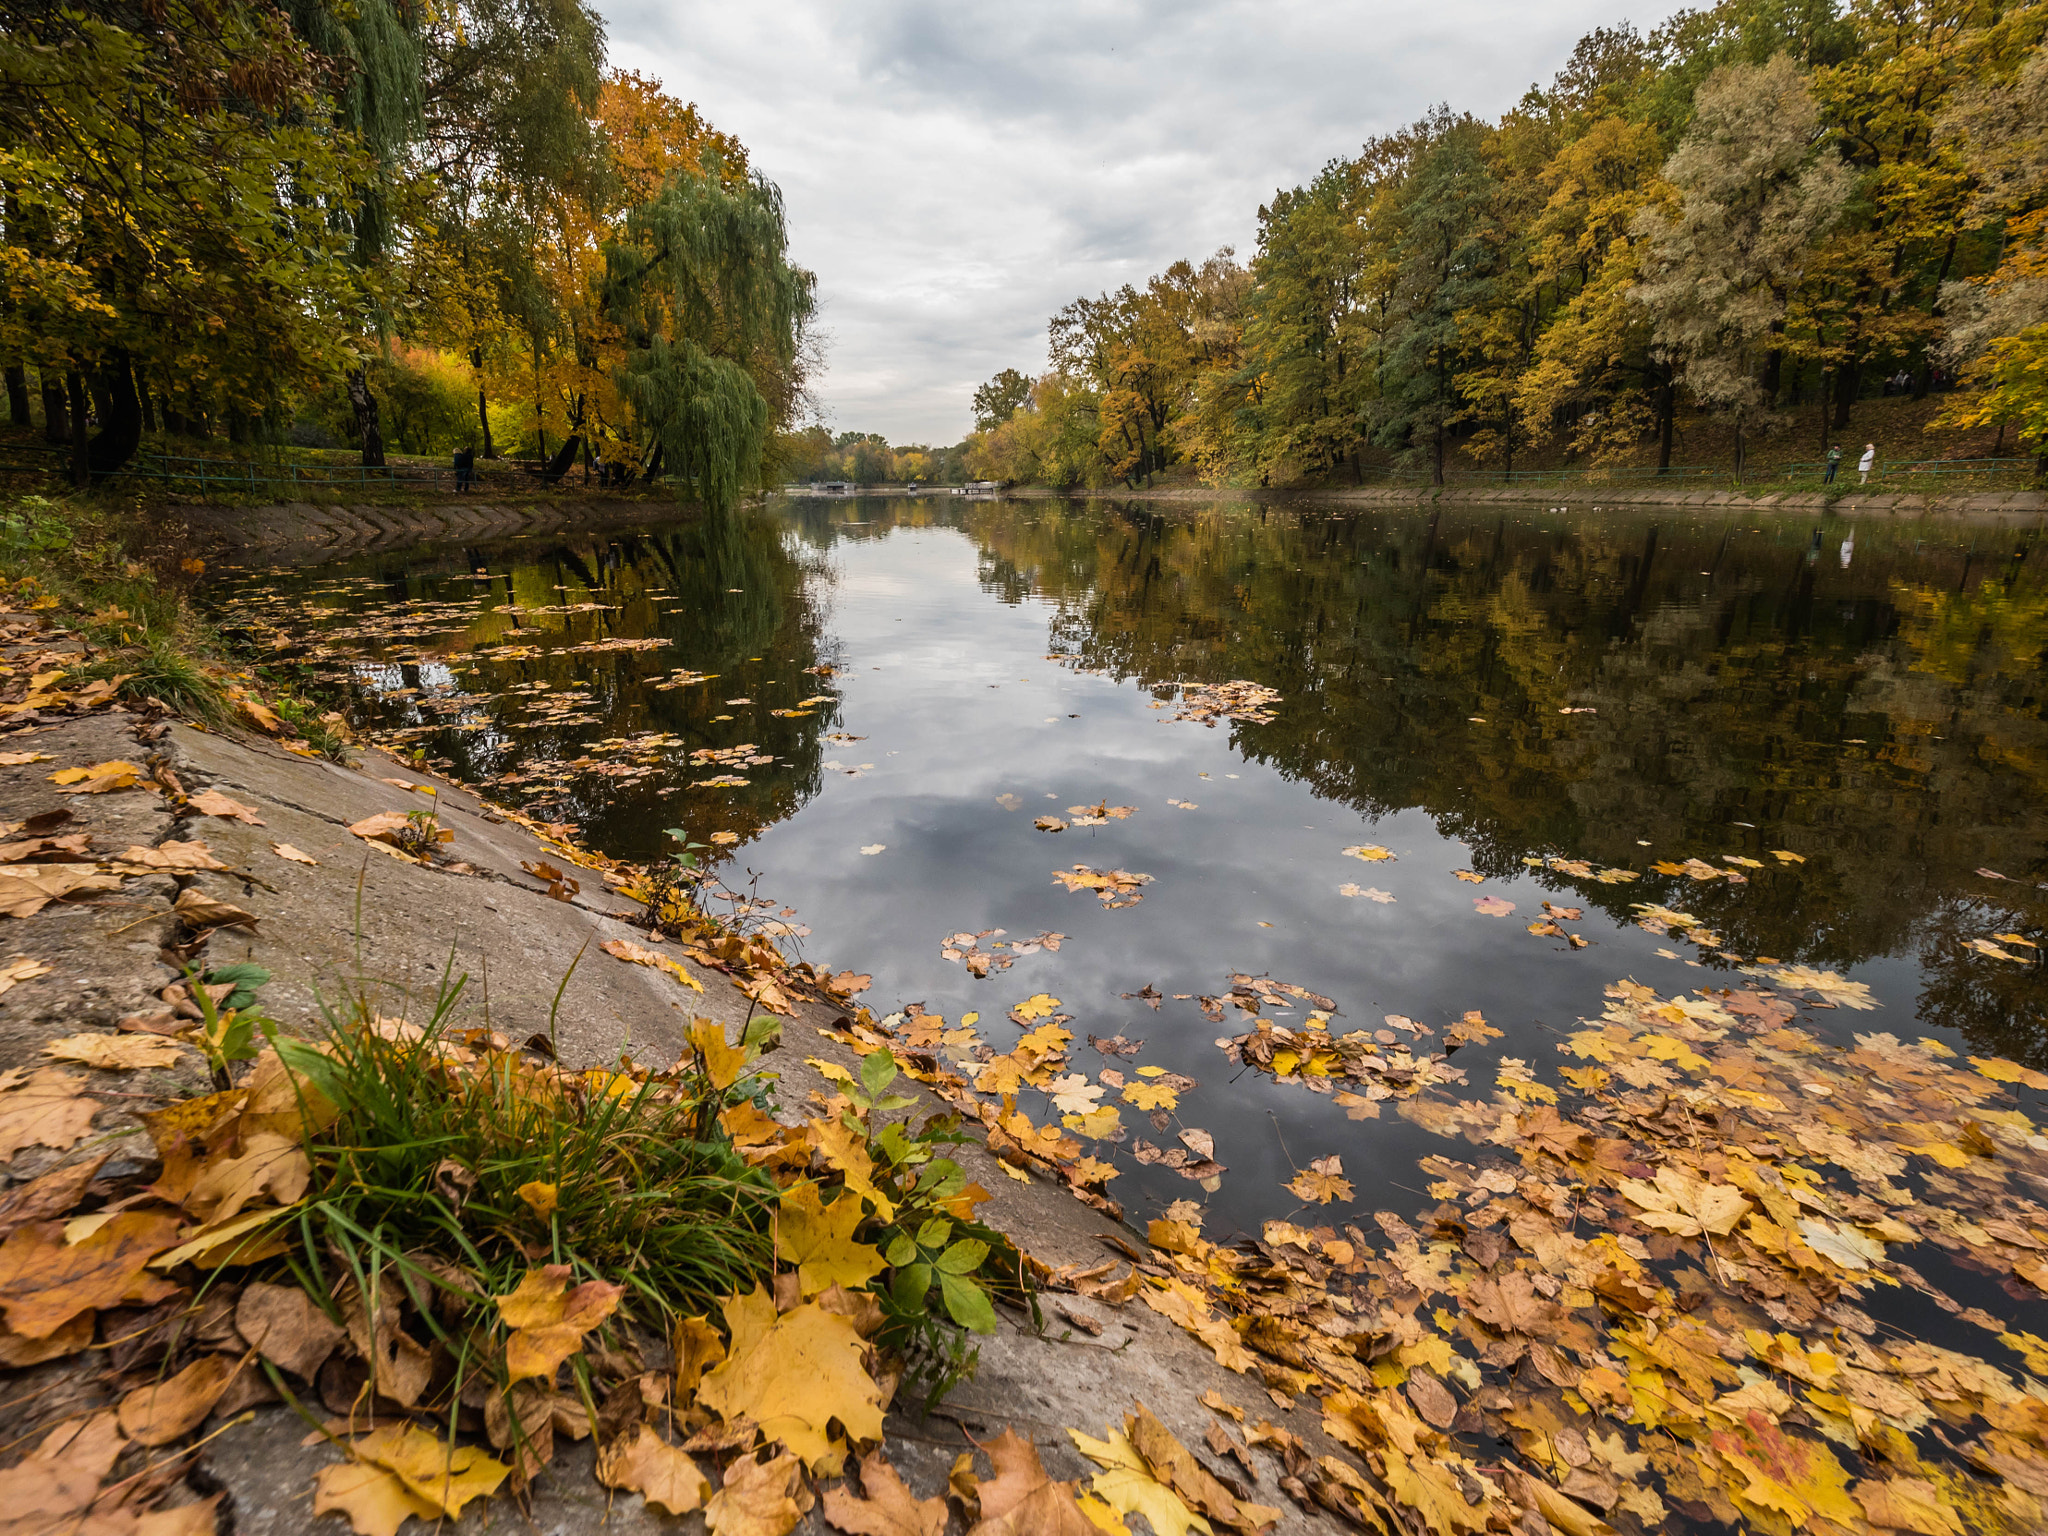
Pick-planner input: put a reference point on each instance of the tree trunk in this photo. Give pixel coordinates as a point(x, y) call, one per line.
point(148, 405)
point(558, 466)
point(1826, 375)
point(81, 471)
point(1738, 450)
point(1848, 379)
point(483, 406)
point(1667, 421)
point(56, 410)
point(368, 431)
point(653, 471)
point(174, 422)
point(17, 395)
point(120, 432)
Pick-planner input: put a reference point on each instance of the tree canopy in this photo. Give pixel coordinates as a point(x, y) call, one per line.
point(1755, 205)
point(262, 221)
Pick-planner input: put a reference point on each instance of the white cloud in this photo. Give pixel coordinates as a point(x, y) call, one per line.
point(955, 172)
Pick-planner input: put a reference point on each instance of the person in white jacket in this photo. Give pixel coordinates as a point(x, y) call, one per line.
point(1866, 463)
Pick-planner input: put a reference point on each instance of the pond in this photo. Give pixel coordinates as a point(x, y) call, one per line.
point(1478, 747)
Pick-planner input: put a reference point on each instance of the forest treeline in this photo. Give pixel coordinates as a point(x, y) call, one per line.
point(1750, 208)
point(361, 219)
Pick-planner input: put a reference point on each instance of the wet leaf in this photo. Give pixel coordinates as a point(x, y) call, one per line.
point(1372, 853)
point(874, 848)
point(1677, 1202)
point(1322, 1181)
point(1492, 906)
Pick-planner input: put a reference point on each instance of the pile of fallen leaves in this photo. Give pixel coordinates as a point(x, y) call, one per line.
point(1645, 1298)
point(1238, 699)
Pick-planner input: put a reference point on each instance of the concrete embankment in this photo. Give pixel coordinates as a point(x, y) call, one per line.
point(359, 919)
point(303, 533)
point(1994, 508)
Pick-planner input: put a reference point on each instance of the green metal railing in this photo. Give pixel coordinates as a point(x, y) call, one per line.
point(1592, 476)
point(244, 475)
point(1885, 469)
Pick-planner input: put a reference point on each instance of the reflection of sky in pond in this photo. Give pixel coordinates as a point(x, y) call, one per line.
point(1879, 719)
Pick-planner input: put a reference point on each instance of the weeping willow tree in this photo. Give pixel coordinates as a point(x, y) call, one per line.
point(712, 314)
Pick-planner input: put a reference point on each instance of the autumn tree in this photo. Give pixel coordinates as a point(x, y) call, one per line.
point(995, 401)
point(1719, 272)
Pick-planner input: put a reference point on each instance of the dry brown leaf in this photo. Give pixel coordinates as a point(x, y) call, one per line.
point(45, 1281)
point(115, 1053)
point(758, 1498)
point(25, 889)
point(887, 1508)
point(54, 1194)
point(211, 802)
point(204, 911)
point(172, 855)
point(46, 1110)
point(644, 1463)
point(18, 970)
point(58, 1480)
point(99, 778)
point(1022, 1499)
point(162, 1411)
point(295, 855)
point(284, 1326)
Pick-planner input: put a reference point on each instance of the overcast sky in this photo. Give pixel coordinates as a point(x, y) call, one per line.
point(957, 171)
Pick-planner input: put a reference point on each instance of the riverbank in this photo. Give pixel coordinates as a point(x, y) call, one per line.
point(335, 915)
point(1997, 508)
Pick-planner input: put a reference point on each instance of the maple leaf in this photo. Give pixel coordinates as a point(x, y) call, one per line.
point(886, 1507)
point(819, 1240)
point(791, 1375)
point(723, 1061)
point(1832, 987)
point(1073, 1094)
point(211, 802)
point(1322, 1181)
point(548, 1319)
point(1492, 906)
point(126, 1053)
point(47, 1110)
point(846, 1150)
point(1041, 1005)
point(644, 1463)
point(1128, 1486)
point(99, 778)
point(1469, 877)
point(1372, 853)
point(1021, 1499)
point(436, 1479)
point(1150, 1096)
point(1681, 1204)
point(284, 1326)
point(45, 1281)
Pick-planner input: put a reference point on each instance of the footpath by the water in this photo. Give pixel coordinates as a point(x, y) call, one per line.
point(352, 916)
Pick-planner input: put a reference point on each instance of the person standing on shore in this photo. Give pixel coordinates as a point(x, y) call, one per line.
point(1866, 463)
point(1834, 463)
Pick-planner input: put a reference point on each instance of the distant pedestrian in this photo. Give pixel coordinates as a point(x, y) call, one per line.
point(1868, 462)
point(1834, 463)
point(465, 468)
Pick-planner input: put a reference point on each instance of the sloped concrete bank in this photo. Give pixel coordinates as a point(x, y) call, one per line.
point(360, 919)
point(303, 533)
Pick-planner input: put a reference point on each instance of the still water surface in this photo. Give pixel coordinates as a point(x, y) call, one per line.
point(1468, 689)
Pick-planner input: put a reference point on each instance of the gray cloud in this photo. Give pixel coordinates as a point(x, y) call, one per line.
point(955, 172)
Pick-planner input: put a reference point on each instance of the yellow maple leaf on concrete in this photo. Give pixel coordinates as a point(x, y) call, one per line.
point(844, 1150)
point(1127, 1485)
point(818, 1239)
point(791, 1374)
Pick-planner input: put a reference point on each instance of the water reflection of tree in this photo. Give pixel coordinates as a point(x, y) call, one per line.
point(1729, 665)
point(723, 589)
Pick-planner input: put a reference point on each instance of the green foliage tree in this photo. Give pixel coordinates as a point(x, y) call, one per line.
point(712, 313)
point(1001, 395)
